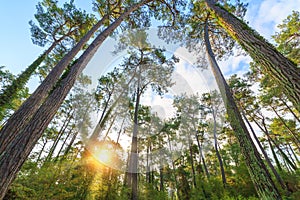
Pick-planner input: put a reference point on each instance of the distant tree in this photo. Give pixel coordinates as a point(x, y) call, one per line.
point(150, 68)
point(212, 102)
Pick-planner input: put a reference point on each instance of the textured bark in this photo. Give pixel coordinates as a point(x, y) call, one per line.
point(18, 149)
point(22, 116)
point(260, 176)
point(284, 71)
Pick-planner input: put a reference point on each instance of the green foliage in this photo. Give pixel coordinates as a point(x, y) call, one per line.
point(288, 37)
point(13, 89)
point(59, 25)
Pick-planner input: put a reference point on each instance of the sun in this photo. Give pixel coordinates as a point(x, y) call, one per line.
point(103, 155)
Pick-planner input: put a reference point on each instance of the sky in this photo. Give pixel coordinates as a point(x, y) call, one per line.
point(17, 50)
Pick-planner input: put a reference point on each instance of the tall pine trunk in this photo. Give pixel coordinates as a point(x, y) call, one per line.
point(133, 164)
point(284, 71)
point(18, 148)
point(22, 116)
point(261, 178)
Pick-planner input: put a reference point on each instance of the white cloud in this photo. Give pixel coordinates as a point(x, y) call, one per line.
point(234, 65)
point(265, 17)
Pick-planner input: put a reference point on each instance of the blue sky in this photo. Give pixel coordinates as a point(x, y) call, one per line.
point(17, 50)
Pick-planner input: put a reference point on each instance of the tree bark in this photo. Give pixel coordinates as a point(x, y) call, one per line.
point(26, 111)
point(284, 71)
point(260, 176)
point(18, 148)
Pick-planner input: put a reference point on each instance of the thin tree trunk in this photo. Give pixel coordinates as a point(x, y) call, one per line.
point(133, 166)
point(297, 141)
point(109, 128)
point(147, 162)
point(192, 164)
point(103, 117)
point(290, 109)
point(293, 152)
point(289, 154)
point(63, 144)
point(284, 71)
point(202, 157)
point(217, 150)
point(119, 133)
point(18, 148)
point(161, 178)
point(285, 157)
point(264, 129)
point(173, 164)
point(41, 151)
point(71, 144)
point(277, 176)
point(11, 91)
point(59, 135)
point(260, 176)
point(274, 154)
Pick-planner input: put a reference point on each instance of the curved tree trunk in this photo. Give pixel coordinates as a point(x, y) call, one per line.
point(284, 71)
point(18, 148)
point(261, 177)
